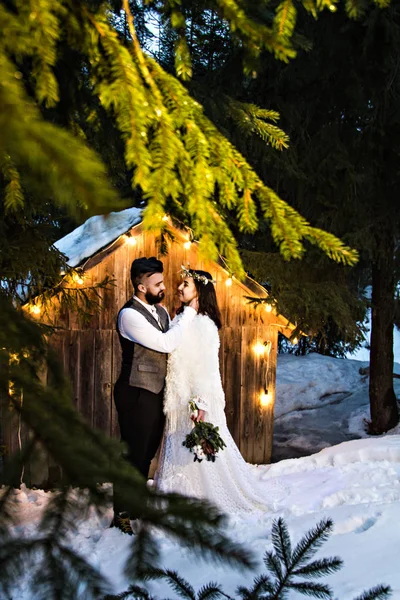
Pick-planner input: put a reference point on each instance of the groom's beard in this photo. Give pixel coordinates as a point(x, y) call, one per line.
point(154, 298)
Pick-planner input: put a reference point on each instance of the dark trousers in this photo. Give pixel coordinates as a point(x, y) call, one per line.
point(141, 422)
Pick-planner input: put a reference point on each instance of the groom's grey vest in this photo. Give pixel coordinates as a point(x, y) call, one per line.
point(142, 367)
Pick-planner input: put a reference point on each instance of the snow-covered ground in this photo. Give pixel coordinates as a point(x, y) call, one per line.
point(356, 483)
point(320, 401)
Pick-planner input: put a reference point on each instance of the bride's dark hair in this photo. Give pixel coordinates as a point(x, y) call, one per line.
point(208, 304)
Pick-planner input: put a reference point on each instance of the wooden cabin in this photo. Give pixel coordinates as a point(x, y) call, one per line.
point(91, 352)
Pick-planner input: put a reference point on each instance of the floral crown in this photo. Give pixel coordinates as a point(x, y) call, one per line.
point(187, 273)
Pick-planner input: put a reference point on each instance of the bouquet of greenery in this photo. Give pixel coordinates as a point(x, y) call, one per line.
point(204, 440)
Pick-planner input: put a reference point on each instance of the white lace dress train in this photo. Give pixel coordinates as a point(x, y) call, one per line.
point(229, 482)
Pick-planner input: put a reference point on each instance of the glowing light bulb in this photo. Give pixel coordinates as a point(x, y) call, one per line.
point(332, 8)
point(132, 241)
point(229, 281)
point(187, 245)
point(165, 218)
point(36, 309)
point(259, 348)
point(78, 279)
point(268, 307)
point(265, 399)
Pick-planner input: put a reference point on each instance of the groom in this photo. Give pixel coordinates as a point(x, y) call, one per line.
point(146, 340)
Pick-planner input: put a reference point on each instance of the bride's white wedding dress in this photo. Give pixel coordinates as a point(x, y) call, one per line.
point(229, 482)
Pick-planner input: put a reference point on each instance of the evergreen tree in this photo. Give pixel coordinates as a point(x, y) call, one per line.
point(341, 170)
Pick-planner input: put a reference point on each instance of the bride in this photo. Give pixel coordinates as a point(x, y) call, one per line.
point(193, 374)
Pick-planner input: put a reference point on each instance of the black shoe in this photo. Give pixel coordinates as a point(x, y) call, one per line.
point(122, 521)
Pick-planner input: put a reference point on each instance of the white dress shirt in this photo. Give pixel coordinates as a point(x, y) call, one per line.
point(154, 312)
point(135, 327)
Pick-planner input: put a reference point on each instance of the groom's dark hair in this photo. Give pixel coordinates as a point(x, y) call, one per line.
point(144, 266)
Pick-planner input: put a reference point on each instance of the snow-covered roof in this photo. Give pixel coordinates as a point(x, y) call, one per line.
point(96, 233)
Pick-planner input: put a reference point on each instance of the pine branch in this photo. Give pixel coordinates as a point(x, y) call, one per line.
point(253, 34)
point(262, 584)
point(211, 591)
point(60, 515)
point(144, 555)
point(16, 556)
point(382, 3)
point(283, 28)
point(285, 19)
point(246, 212)
point(179, 585)
point(273, 565)
point(250, 119)
point(13, 193)
point(183, 62)
point(44, 22)
point(380, 592)
point(80, 579)
point(56, 571)
point(281, 542)
point(308, 588)
point(356, 8)
point(134, 591)
point(284, 563)
point(197, 525)
point(243, 592)
point(7, 514)
point(311, 542)
point(320, 568)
